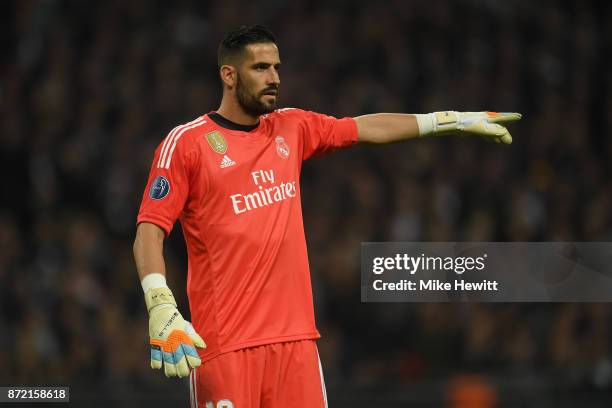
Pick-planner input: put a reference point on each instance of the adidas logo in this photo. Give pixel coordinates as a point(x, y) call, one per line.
point(226, 162)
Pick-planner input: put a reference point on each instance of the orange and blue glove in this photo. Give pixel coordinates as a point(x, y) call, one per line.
point(475, 123)
point(173, 339)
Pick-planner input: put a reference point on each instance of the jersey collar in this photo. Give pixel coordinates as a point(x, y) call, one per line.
point(228, 124)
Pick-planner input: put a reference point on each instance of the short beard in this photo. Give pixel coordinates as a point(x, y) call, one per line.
point(251, 104)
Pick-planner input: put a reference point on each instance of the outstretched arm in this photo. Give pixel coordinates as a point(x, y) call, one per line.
point(395, 127)
point(386, 127)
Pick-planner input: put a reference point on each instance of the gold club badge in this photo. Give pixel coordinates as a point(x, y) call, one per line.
point(217, 142)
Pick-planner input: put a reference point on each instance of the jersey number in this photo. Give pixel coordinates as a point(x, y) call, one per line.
point(220, 404)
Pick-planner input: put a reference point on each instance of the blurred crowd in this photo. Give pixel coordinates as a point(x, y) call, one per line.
point(89, 89)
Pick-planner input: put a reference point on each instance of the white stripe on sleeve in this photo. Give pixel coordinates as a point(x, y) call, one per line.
point(170, 138)
point(176, 138)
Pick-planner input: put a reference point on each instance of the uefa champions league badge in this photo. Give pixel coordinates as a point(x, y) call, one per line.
point(281, 147)
point(159, 188)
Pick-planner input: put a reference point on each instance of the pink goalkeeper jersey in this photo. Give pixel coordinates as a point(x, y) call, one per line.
point(237, 196)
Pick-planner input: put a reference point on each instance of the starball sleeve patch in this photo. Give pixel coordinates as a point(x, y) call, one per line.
point(159, 188)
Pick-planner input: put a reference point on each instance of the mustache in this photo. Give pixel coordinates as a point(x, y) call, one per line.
point(269, 89)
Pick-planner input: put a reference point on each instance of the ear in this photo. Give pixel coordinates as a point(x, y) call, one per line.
point(228, 75)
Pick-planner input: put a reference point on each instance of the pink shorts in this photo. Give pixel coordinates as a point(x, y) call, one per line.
point(269, 376)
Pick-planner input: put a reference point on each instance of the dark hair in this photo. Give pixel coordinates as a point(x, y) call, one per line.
point(234, 43)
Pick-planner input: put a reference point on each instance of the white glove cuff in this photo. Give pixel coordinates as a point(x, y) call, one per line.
point(153, 281)
point(425, 121)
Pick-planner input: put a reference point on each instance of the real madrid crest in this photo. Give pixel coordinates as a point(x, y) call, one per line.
point(282, 148)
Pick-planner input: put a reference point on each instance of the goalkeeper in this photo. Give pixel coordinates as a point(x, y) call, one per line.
point(231, 177)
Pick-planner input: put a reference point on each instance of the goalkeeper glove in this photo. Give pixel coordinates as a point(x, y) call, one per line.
point(173, 340)
point(475, 123)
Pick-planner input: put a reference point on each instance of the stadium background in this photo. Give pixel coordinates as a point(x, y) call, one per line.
point(90, 88)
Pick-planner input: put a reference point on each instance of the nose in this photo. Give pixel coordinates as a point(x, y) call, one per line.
point(273, 78)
